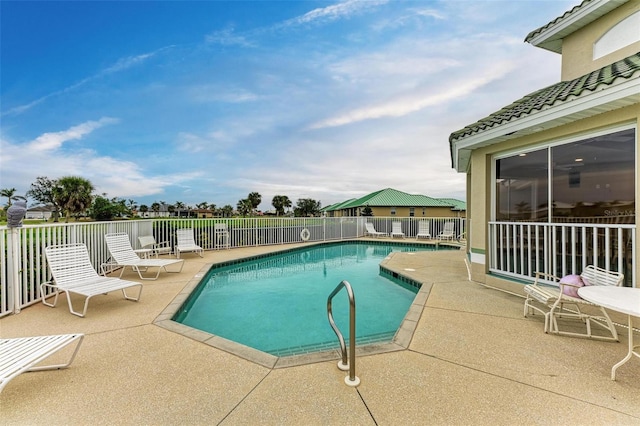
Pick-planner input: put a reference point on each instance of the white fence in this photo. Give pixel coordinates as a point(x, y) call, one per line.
point(520, 249)
point(23, 264)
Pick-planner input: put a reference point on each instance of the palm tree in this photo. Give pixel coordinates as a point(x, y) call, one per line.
point(179, 206)
point(155, 207)
point(144, 209)
point(245, 207)
point(254, 199)
point(280, 202)
point(227, 210)
point(73, 195)
point(9, 193)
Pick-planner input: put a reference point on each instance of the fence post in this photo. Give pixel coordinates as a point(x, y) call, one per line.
point(13, 270)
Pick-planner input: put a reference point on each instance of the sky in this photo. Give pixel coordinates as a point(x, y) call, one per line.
point(207, 101)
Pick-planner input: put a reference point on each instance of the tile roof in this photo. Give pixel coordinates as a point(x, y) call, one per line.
point(556, 94)
point(394, 198)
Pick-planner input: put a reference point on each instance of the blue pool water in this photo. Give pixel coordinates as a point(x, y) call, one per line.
point(278, 304)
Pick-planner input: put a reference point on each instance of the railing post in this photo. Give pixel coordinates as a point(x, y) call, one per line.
point(13, 270)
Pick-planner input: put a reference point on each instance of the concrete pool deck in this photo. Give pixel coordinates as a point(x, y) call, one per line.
point(473, 359)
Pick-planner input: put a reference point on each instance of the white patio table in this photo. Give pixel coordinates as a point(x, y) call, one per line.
point(620, 299)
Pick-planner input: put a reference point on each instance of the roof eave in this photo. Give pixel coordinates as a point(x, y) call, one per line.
point(598, 102)
point(551, 35)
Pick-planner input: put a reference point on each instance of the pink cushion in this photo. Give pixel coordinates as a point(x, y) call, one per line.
point(575, 280)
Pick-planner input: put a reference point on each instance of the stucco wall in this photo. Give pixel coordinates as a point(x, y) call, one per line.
point(577, 48)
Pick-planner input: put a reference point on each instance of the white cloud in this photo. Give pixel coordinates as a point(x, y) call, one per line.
point(334, 12)
point(54, 140)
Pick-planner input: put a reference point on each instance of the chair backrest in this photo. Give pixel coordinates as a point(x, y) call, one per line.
point(396, 227)
point(370, 227)
point(448, 228)
point(70, 263)
point(146, 241)
point(185, 237)
point(423, 227)
point(120, 248)
point(598, 276)
point(220, 228)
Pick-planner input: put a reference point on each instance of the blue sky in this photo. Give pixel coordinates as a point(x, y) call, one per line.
point(211, 100)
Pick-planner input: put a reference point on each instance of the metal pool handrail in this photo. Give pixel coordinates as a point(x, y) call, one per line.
point(351, 379)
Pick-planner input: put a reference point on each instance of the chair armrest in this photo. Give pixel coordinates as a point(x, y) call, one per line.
point(544, 275)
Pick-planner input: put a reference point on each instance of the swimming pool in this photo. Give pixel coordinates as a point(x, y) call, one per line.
point(277, 303)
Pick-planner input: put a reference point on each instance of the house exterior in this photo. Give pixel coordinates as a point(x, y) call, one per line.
point(40, 212)
point(552, 178)
point(393, 203)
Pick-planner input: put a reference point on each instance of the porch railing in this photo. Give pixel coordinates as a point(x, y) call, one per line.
point(520, 249)
point(23, 264)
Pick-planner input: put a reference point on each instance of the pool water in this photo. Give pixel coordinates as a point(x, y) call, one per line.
point(278, 304)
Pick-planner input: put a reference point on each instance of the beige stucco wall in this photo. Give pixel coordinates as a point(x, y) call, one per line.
point(577, 48)
point(480, 182)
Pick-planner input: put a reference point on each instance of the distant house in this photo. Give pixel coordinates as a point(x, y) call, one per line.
point(552, 178)
point(40, 212)
point(391, 202)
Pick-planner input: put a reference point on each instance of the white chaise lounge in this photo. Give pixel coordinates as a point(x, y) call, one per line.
point(122, 255)
point(396, 230)
point(423, 229)
point(72, 272)
point(370, 230)
point(23, 354)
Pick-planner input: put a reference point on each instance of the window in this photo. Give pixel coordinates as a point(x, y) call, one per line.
point(393, 211)
point(624, 33)
point(588, 180)
point(412, 211)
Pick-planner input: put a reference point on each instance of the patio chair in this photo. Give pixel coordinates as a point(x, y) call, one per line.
point(22, 354)
point(148, 242)
point(73, 272)
point(221, 234)
point(423, 230)
point(122, 255)
point(187, 242)
point(552, 302)
point(370, 230)
point(447, 231)
point(396, 230)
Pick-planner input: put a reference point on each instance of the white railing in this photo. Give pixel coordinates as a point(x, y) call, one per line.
point(520, 249)
point(23, 265)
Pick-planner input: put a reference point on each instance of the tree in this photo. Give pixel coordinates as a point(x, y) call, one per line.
point(307, 207)
point(42, 191)
point(144, 209)
point(254, 199)
point(103, 209)
point(9, 193)
point(73, 195)
point(203, 205)
point(155, 207)
point(179, 206)
point(367, 211)
point(227, 210)
point(280, 202)
point(245, 207)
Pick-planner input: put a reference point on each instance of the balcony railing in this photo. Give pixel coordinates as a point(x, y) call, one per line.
point(520, 249)
point(23, 264)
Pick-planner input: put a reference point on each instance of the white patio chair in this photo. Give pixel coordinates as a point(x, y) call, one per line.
point(396, 230)
point(123, 255)
point(187, 243)
point(221, 235)
point(552, 302)
point(447, 231)
point(23, 354)
point(370, 230)
point(73, 272)
point(423, 229)
point(148, 242)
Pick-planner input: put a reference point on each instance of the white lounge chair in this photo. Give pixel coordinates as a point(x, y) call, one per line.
point(551, 301)
point(148, 242)
point(187, 242)
point(423, 230)
point(370, 230)
point(396, 230)
point(73, 272)
point(447, 231)
point(122, 255)
point(22, 354)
